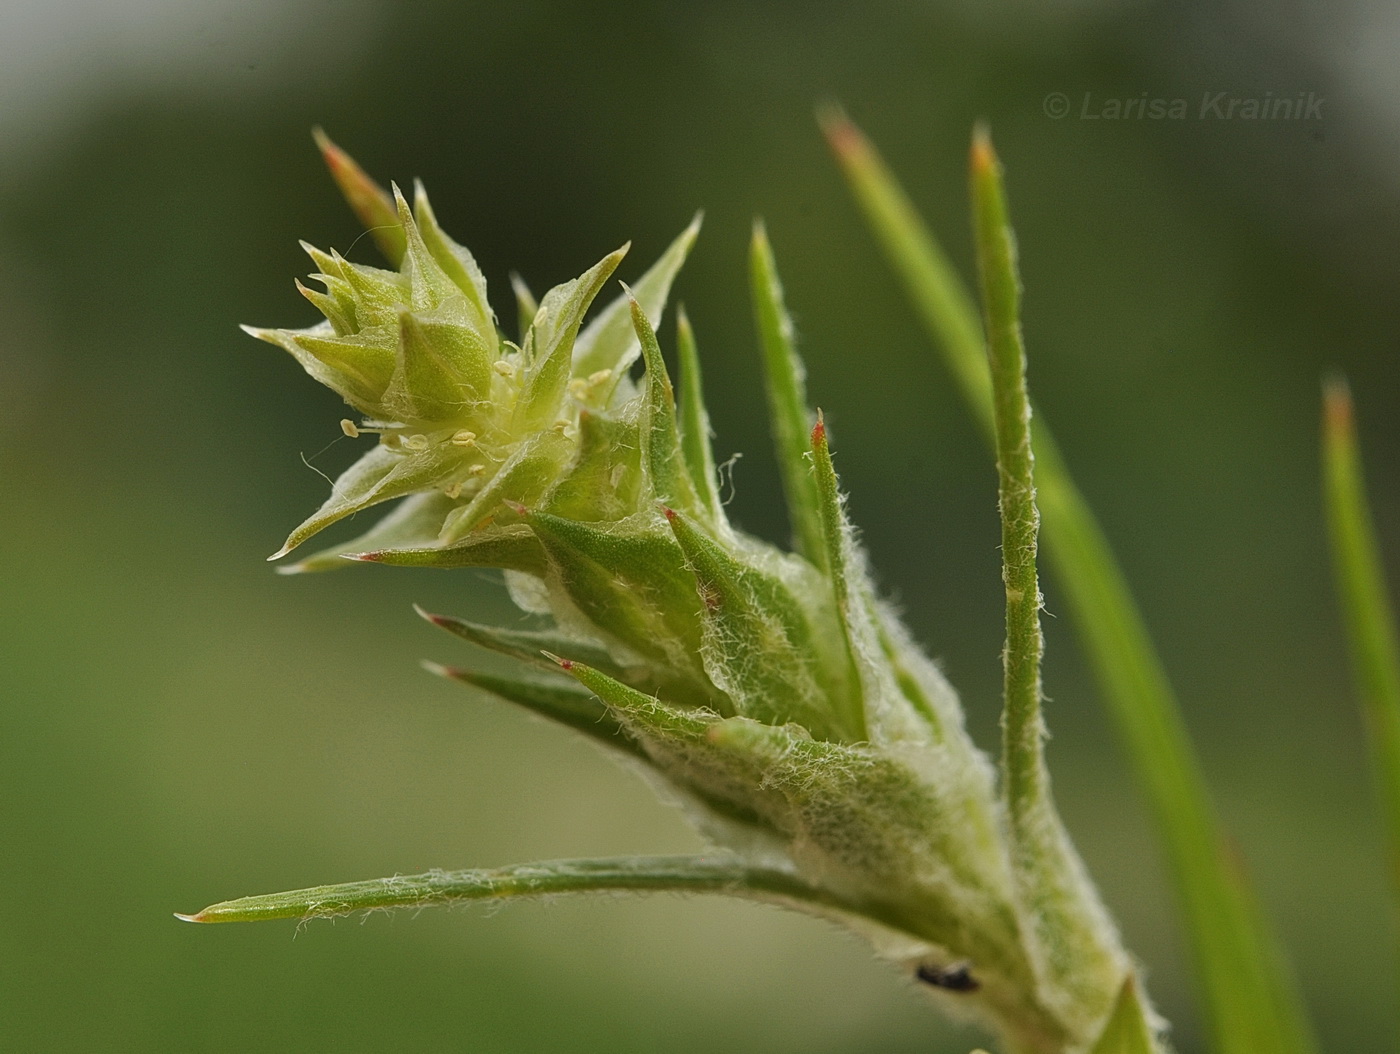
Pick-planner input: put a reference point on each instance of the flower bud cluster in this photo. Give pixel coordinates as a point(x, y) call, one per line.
point(772, 693)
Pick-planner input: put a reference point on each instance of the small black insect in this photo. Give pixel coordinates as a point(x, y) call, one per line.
point(950, 978)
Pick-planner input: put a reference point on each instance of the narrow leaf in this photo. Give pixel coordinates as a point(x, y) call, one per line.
point(527, 645)
point(514, 548)
point(609, 341)
point(1370, 618)
point(1251, 1000)
point(380, 475)
point(695, 422)
point(839, 558)
point(787, 399)
point(525, 305)
point(369, 201)
point(457, 263)
point(1083, 957)
point(414, 523)
point(551, 342)
point(634, 874)
point(556, 698)
point(660, 432)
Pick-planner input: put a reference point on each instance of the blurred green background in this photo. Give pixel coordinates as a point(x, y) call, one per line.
point(180, 725)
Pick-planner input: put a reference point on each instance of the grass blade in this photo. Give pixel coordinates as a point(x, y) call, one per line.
point(1250, 998)
point(671, 874)
point(1370, 619)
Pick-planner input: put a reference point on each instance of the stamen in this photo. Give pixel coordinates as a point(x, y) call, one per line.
point(463, 438)
point(348, 427)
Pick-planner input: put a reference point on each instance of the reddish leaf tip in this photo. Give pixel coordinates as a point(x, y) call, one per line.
point(1336, 405)
point(564, 664)
point(983, 155)
point(197, 917)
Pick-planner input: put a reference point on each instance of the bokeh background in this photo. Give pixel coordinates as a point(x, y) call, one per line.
point(180, 725)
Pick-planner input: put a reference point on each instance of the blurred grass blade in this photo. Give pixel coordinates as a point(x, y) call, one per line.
point(1128, 1030)
point(1370, 619)
point(634, 874)
point(787, 399)
point(369, 201)
point(1250, 997)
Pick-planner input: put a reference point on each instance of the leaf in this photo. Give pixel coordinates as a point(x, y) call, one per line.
point(380, 475)
point(839, 561)
point(369, 201)
point(414, 523)
point(356, 367)
point(660, 433)
point(527, 645)
point(636, 874)
point(458, 264)
point(550, 345)
point(559, 699)
point(789, 417)
point(629, 581)
point(1252, 1003)
point(1366, 608)
point(1128, 1030)
point(1083, 958)
point(695, 424)
point(525, 304)
point(609, 341)
point(513, 548)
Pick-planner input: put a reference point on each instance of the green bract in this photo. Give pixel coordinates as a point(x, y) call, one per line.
point(772, 693)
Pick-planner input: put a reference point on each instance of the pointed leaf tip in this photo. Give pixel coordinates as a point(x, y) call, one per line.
point(188, 918)
point(984, 155)
point(1336, 403)
point(563, 663)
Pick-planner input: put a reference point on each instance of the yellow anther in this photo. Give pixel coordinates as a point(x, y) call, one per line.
point(578, 388)
point(348, 427)
point(463, 438)
point(415, 442)
point(453, 490)
point(595, 379)
point(504, 368)
point(477, 470)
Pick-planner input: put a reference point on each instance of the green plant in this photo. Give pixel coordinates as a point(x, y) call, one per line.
point(773, 694)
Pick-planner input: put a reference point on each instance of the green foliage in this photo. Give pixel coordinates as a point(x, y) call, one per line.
point(773, 694)
point(1249, 995)
point(1370, 619)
